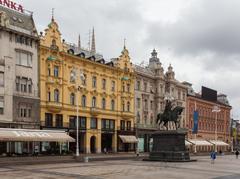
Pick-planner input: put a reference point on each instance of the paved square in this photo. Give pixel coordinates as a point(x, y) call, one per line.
point(224, 167)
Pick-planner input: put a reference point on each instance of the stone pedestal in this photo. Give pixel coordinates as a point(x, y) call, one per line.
point(169, 146)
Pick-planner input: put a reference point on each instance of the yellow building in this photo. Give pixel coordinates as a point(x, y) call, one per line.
point(105, 95)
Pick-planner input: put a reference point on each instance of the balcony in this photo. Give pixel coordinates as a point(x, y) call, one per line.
point(95, 111)
point(126, 114)
point(54, 106)
point(54, 80)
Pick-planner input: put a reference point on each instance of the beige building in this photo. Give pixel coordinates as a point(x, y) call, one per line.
point(151, 86)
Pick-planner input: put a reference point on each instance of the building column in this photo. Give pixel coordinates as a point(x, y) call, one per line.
point(114, 142)
point(99, 143)
point(87, 143)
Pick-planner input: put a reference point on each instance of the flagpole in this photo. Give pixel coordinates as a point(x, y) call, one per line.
point(195, 134)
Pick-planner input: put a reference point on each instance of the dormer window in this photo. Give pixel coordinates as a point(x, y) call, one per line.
point(54, 45)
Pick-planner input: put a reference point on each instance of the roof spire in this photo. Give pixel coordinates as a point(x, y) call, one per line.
point(79, 41)
point(93, 46)
point(52, 14)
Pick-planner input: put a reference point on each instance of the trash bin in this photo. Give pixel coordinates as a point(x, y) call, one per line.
point(85, 159)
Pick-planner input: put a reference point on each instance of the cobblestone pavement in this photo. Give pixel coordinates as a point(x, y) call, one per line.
point(224, 167)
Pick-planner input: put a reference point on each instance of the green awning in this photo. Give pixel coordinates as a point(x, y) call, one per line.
point(50, 58)
point(125, 78)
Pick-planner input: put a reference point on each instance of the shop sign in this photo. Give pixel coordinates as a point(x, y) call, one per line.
point(12, 5)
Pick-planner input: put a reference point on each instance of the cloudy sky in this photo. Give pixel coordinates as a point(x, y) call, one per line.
point(200, 38)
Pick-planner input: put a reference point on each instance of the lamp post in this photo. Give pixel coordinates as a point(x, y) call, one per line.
point(216, 109)
point(82, 78)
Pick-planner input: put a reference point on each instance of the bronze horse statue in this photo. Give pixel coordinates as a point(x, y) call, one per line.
point(170, 115)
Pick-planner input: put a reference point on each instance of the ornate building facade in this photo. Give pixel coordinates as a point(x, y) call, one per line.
point(72, 77)
point(213, 126)
point(151, 87)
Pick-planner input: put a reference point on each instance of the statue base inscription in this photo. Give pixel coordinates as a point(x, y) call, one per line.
point(169, 146)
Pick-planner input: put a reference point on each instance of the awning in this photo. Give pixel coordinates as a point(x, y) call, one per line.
point(128, 138)
point(188, 143)
point(218, 142)
point(200, 142)
point(31, 135)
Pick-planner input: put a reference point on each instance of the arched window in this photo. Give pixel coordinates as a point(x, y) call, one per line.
point(94, 101)
point(128, 106)
point(123, 106)
point(53, 42)
point(151, 119)
point(84, 101)
point(138, 117)
point(103, 103)
point(72, 99)
point(112, 105)
point(56, 95)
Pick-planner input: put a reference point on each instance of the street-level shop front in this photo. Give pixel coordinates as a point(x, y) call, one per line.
point(28, 142)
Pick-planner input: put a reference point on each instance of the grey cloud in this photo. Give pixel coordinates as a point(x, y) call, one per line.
point(203, 27)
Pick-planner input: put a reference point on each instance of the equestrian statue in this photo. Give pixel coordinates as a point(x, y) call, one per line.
point(170, 115)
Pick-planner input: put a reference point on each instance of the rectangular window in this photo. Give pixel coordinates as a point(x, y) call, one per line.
point(48, 120)
point(24, 85)
point(59, 120)
point(138, 103)
point(151, 105)
point(24, 112)
point(138, 85)
point(93, 123)
point(72, 122)
point(82, 123)
point(30, 88)
point(145, 87)
point(128, 125)
point(128, 88)
point(122, 125)
point(29, 112)
point(108, 124)
point(56, 71)
point(49, 71)
point(24, 58)
point(17, 83)
point(84, 80)
point(103, 84)
point(1, 105)
point(49, 96)
point(113, 85)
point(112, 124)
point(94, 81)
point(1, 78)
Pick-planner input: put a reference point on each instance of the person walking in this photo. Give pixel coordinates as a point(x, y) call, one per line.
point(237, 153)
point(213, 156)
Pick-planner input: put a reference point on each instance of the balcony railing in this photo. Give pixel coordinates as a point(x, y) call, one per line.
point(127, 114)
point(63, 125)
point(54, 106)
point(95, 111)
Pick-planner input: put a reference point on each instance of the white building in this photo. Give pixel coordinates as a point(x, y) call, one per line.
point(19, 94)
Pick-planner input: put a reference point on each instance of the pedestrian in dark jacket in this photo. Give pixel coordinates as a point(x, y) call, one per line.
point(236, 153)
point(213, 156)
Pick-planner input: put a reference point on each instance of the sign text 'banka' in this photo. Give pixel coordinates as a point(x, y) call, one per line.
point(12, 5)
